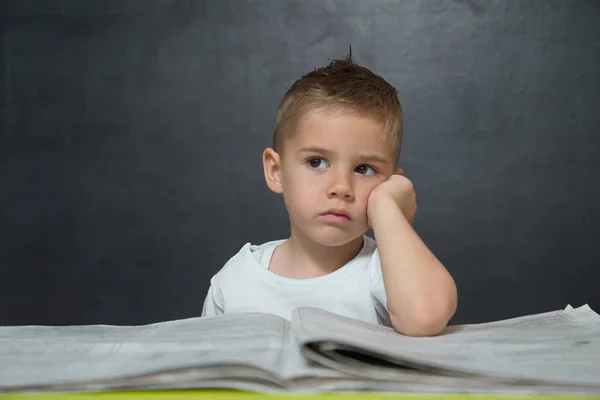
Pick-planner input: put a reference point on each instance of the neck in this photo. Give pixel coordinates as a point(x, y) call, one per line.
point(308, 259)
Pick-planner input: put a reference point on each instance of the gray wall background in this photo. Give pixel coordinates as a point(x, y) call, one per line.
point(132, 131)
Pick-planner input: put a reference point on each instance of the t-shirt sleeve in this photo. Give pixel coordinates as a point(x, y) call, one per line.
point(378, 293)
point(213, 303)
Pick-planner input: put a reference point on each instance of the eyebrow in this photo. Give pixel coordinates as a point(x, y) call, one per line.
point(364, 157)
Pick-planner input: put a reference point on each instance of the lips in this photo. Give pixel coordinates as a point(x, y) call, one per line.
point(337, 212)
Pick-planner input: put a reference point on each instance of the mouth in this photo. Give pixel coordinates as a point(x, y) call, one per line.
point(336, 215)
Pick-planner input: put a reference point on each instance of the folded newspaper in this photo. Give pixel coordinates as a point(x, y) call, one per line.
point(317, 351)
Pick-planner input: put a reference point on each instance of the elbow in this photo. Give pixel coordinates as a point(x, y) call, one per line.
point(418, 327)
point(424, 319)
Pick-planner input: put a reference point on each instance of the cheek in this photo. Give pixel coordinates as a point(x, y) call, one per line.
point(301, 189)
point(364, 188)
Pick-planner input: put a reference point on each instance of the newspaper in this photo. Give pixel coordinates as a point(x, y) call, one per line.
point(554, 349)
point(102, 357)
point(318, 351)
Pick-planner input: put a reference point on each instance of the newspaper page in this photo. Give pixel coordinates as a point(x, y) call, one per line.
point(102, 357)
point(295, 367)
point(558, 349)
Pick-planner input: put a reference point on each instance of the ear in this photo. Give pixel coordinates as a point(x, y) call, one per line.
point(272, 169)
point(399, 171)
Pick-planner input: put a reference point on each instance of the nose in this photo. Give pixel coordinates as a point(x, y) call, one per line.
point(341, 187)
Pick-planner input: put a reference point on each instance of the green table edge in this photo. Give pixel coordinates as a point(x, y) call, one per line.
point(234, 395)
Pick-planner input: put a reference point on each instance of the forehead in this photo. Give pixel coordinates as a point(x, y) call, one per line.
point(342, 132)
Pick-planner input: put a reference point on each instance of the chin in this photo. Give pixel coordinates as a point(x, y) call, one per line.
point(334, 238)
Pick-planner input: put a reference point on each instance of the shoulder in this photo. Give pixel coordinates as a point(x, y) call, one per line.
point(242, 263)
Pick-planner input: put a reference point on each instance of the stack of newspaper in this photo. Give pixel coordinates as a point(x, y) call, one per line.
point(317, 351)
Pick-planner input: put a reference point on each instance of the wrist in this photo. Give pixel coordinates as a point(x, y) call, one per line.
point(383, 209)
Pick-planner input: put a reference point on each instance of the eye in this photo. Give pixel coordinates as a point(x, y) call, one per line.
point(366, 170)
point(317, 163)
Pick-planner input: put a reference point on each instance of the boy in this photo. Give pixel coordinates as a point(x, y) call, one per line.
point(336, 143)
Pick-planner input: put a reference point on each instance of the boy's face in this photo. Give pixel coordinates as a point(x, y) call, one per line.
point(328, 168)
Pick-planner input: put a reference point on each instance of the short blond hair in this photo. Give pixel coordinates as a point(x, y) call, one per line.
point(345, 86)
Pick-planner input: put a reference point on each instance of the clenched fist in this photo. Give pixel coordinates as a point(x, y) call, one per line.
point(397, 188)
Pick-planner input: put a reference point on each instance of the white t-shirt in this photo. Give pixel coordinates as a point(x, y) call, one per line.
point(245, 284)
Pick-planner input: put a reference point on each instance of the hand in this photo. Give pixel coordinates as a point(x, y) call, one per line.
point(397, 188)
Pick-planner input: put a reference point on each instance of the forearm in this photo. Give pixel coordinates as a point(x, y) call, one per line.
point(421, 293)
